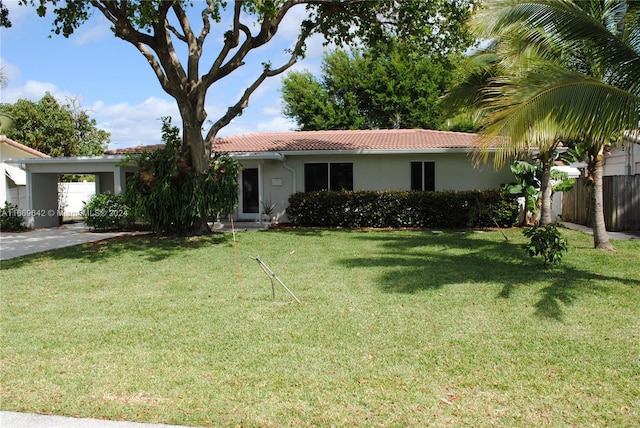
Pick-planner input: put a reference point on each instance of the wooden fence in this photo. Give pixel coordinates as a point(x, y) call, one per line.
point(621, 203)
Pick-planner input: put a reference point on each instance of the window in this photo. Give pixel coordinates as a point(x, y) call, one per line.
point(423, 176)
point(332, 176)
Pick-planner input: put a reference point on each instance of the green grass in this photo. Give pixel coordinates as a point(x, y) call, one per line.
point(395, 329)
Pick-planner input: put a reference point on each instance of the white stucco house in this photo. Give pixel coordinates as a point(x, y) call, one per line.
point(624, 159)
point(276, 165)
point(13, 180)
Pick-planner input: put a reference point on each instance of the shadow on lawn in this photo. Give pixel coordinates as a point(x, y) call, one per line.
point(148, 247)
point(430, 261)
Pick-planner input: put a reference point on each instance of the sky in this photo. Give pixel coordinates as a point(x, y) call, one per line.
point(117, 87)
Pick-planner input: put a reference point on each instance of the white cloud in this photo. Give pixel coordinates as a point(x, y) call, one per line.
point(87, 35)
point(11, 72)
point(33, 90)
point(18, 14)
point(133, 125)
point(277, 124)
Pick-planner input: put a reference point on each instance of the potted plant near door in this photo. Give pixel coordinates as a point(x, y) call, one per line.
point(268, 208)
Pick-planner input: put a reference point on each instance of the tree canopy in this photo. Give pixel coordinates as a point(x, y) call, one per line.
point(55, 129)
point(172, 36)
point(382, 87)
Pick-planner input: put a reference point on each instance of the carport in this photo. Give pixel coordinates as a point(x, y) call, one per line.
point(42, 182)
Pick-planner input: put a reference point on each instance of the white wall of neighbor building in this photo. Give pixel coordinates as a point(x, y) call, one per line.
point(623, 160)
point(73, 196)
point(15, 194)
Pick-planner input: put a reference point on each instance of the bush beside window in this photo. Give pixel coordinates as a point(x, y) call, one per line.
point(397, 209)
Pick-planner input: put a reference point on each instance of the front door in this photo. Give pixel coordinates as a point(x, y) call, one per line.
point(250, 193)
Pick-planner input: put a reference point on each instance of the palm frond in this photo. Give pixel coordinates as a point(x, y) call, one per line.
point(565, 23)
point(552, 102)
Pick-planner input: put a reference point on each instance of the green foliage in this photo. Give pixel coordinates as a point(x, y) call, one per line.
point(527, 183)
point(383, 87)
point(402, 209)
point(546, 241)
point(10, 218)
point(169, 194)
point(55, 129)
point(105, 211)
point(4, 16)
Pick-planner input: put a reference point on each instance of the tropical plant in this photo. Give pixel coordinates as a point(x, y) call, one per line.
point(169, 194)
point(582, 82)
point(546, 241)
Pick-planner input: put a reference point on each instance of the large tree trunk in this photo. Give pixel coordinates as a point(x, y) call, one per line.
point(545, 190)
point(192, 120)
point(596, 170)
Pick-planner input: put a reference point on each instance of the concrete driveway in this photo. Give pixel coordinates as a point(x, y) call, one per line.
point(30, 420)
point(16, 244)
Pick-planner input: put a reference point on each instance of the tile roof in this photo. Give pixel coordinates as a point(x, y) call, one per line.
point(356, 140)
point(134, 150)
point(9, 141)
point(351, 140)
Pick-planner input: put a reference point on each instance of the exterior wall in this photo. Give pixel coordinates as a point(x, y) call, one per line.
point(43, 195)
point(8, 190)
point(453, 171)
point(623, 161)
point(392, 172)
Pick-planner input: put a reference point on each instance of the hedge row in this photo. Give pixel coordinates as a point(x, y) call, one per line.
point(443, 209)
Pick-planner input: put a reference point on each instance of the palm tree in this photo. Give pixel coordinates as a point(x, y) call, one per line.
point(584, 83)
point(481, 89)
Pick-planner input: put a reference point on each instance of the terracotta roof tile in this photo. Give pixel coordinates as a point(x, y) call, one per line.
point(134, 150)
point(356, 140)
point(387, 139)
point(9, 141)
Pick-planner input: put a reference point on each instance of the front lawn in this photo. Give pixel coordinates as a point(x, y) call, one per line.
point(395, 329)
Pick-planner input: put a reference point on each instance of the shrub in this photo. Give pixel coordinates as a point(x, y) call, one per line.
point(546, 241)
point(403, 209)
point(105, 211)
point(171, 196)
point(10, 218)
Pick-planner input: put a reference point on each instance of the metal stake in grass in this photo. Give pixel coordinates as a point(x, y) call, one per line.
point(272, 276)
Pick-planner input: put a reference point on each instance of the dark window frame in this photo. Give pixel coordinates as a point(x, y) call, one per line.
point(328, 176)
point(423, 176)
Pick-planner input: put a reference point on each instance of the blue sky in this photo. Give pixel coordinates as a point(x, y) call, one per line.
point(116, 85)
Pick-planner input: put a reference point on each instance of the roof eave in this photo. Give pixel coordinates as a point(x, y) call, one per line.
point(61, 160)
point(278, 154)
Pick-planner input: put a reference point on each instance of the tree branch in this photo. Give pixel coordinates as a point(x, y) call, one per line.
point(243, 102)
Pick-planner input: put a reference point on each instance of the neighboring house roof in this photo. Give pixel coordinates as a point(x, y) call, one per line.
point(352, 140)
point(34, 152)
point(383, 140)
point(134, 150)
